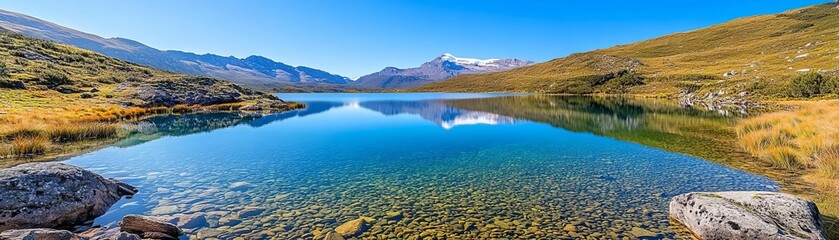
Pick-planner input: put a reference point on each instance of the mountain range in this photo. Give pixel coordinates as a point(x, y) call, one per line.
point(441, 68)
point(254, 71)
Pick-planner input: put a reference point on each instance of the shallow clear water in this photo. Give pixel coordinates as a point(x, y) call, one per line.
point(514, 166)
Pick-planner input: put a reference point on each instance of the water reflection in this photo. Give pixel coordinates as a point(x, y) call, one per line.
point(489, 167)
point(653, 122)
point(438, 112)
point(180, 125)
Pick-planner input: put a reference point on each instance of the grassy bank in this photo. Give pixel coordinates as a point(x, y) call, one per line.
point(805, 139)
point(38, 134)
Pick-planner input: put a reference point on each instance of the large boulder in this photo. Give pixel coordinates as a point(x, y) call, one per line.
point(748, 215)
point(38, 234)
point(54, 195)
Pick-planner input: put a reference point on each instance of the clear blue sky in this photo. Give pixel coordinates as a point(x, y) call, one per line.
point(356, 37)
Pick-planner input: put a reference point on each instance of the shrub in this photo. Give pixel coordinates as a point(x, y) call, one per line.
point(806, 85)
point(13, 84)
point(53, 78)
point(630, 79)
point(3, 70)
point(830, 85)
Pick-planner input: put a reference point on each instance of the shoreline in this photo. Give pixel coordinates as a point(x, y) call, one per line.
point(61, 152)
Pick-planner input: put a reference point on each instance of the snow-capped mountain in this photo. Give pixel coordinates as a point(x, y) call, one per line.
point(441, 68)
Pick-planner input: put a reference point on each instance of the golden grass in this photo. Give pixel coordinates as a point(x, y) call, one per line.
point(804, 140)
point(79, 132)
point(27, 146)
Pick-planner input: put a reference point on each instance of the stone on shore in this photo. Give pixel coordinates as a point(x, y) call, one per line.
point(748, 215)
point(54, 195)
point(142, 225)
point(37, 234)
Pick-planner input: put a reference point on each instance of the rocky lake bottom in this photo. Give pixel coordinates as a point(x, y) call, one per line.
point(411, 165)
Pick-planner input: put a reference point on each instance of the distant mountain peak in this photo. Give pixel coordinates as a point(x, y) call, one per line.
point(441, 68)
point(467, 61)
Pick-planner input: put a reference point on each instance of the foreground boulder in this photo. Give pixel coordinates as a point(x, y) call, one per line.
point(148, 227)
point(37, 234)
point(748, 215)
point(54, 195)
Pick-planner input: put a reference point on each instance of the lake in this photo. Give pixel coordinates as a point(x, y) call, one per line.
point(433, 165)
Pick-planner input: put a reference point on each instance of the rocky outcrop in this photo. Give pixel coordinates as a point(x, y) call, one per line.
point(54, 195)
point(189, 91)
point(38, 234)
point(748, 215)
point(148, 227)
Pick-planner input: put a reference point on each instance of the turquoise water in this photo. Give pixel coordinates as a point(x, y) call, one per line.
point(448, 172)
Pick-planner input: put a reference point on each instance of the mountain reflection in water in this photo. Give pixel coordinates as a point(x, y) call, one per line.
point(440, 159)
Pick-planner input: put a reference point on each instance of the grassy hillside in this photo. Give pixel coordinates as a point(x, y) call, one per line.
point(55, 97)
point(756, 56)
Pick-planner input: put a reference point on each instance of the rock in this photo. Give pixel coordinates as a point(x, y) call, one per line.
point(37, 234)
point(748, 215)
point(502, 224)
point(197, 220)
point(108, 232)
point(240, 186)
point(94, 90)
point(86, 95)
point(333, 236)
point(188, 91)
point(120, 236)
point(164, 210)
point(207, 233)
point(393, 216)
point(352, 228)
point(67, 89)
point(158, 235)
point(250, 212)
point(141, 224)
point(54, 195)
point(640, 233)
